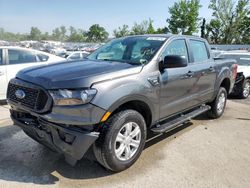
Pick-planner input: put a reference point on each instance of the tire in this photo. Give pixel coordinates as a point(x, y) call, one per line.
point(108, 147)
point(219, 104)
point(245, 91)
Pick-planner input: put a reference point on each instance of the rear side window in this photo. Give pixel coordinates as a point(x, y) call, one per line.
point(176, 47)
point(84, 55)
point(1, 57)
point(21, 56)
point(75, 56)
point(199, 50)
point(42, 57)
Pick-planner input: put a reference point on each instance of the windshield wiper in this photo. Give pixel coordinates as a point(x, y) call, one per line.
point(119, 61)
point(122, 61)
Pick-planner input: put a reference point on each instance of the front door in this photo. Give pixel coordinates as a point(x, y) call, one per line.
point(176, 83)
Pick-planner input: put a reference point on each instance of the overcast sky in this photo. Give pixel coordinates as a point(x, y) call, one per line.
point(20, 15)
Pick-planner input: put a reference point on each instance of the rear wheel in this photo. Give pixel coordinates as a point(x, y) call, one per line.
point(219, 104)
point(245, 90)
point(122, 140)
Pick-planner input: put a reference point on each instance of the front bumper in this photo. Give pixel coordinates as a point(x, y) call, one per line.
point(68, 140)
point(87, 114)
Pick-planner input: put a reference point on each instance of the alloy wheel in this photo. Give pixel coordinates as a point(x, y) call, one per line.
point(221, 102)
point(127, 141)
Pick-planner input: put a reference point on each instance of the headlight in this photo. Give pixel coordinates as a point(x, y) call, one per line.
point(64, 97)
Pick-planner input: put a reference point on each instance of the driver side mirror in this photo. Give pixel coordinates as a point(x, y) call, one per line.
point(173, 61)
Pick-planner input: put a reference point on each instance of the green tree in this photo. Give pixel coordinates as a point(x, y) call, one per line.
point(56, 34)
point(97, 33)
point(121, 31)
point(163, 30)
point(184, 17)
point(8, 36)
point(213, 31)
point(76, 35)
point(203, 28)
point(59, 33)
point(223, 14)
point(140, 28)
point(244, 27)
point(151, 29)
point(63, 35)
point(231, 21)
point(35, 34)
point(242, 22)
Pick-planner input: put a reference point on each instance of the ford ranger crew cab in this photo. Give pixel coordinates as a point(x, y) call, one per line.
point(123, 90)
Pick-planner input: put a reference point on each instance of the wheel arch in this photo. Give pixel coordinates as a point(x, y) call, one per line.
point(226, 83)
point(247, 78)
point(137, 103)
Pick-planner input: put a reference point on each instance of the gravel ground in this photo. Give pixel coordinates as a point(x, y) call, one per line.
point(204, 153)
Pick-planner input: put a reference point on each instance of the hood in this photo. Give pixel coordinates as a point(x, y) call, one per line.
point(77, 74)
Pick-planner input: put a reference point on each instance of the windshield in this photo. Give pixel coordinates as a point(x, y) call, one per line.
point(241, 59)
point(136, 50)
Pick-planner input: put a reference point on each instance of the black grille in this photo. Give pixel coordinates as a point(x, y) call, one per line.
point(34, 99)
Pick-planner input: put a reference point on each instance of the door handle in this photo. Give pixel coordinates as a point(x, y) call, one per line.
point(211, 69)
point(190, 74)
point(1, 73)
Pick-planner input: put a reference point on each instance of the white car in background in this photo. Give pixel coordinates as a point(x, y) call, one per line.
point(78, 55)
point(13, 59)
point(242, 84)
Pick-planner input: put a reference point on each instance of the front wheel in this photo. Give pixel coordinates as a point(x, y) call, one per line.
point(219, 104)
point(121, 141)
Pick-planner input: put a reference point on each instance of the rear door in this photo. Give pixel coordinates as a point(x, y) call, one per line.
point(203, 67)
point(176, 83)
point(3, 76)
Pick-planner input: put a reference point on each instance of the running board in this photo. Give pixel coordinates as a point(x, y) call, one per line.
point(169, 125)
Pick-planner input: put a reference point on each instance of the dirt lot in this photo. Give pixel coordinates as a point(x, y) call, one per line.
point(205, 153)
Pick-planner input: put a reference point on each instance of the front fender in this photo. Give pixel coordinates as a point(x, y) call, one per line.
point(112, 94)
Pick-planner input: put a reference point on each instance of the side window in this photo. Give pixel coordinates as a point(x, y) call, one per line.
point(75, 56)
point(21, 56)
point(1, 57)
point(199, 50)
point(176, 47)
point(42, 57)
point(84, 55)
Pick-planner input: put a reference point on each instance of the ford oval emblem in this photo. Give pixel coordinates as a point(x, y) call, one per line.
point(20, 94)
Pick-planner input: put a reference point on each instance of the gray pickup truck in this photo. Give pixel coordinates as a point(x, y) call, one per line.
point(123, 90)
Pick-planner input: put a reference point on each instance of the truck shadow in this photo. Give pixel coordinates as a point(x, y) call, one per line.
point(24, 160)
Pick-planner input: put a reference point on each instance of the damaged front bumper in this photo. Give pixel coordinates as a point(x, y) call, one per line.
point(68, 140)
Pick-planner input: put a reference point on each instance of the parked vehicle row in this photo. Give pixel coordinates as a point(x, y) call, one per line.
point(78, 55)
point(124, 89)
point(13, 59)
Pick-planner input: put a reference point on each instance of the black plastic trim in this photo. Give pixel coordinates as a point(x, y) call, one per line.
point(47, 133)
